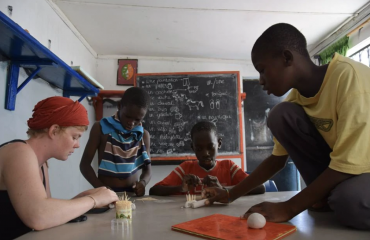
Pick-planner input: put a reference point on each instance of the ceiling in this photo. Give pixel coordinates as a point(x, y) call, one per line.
point(198, 28)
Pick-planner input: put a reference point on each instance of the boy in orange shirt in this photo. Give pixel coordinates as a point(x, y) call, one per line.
point(190, 176)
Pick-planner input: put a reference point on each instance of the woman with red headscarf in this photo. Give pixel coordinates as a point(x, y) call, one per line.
point(56, 125)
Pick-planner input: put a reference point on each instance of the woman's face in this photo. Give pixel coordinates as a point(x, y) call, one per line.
point(67, 139)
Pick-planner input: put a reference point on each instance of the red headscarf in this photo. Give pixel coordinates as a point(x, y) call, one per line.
point(58, 110)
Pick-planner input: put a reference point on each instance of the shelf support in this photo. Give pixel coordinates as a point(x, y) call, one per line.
point(21, 49)
point(12, 79)
point(30, 77)
point(78, 93)
point(11, 86)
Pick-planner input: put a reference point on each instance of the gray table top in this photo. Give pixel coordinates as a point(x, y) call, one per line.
point(153, 220)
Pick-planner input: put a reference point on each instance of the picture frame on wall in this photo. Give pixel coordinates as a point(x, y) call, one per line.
point(127, 70)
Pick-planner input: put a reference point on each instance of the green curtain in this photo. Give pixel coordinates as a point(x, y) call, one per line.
point(341, 46)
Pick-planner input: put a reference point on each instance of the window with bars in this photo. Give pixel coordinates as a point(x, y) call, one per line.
point(362, 56)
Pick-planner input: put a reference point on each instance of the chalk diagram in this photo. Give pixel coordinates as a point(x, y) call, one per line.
point(187, 137)
point(180, 144)
point(194, 104)
point(160, 151)
point(178, 116)
point(169, 151)
point(178, 96)
point(260, 127)
point(214, 121)
point(174, 109)
point(180, 125)
point(214, 104)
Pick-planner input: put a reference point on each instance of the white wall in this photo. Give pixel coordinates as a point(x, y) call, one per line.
point(107, 75)
point(107, 68)
point(42, 22)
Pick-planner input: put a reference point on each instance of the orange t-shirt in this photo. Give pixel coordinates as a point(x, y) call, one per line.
point(227, 172)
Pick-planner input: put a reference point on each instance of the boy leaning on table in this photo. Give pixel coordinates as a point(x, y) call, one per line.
point(190, 176)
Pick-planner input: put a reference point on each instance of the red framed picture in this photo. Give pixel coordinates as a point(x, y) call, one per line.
point(127, 70)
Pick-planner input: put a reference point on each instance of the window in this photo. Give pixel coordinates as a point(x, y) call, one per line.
point(362, 56)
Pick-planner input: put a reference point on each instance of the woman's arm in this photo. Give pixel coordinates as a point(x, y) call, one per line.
point(20, 174)
point(46, 176)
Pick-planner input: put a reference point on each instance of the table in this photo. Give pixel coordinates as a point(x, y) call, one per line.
point(153, 220)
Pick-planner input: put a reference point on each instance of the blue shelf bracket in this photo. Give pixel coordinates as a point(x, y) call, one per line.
point(77, 92)
point(82, 97)
point(21, 49)
point(11, 87)
point(66, 85)
point(33, 74)
point(12, 81)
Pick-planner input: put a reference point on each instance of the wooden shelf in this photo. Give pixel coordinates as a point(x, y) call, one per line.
point(98, 101)
point(23, 50)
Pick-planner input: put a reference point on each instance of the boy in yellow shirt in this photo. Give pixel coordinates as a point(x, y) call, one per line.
point(324, 125)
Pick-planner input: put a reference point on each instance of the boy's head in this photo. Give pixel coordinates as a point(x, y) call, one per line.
point(133, 106)
point(277, 55)
point(205, 143)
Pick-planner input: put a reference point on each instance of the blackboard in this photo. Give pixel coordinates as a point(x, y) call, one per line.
point(258, 137)
point(256, 109)
point(179, 100)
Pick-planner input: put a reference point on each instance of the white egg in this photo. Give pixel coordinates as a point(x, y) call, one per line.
point(256, 220)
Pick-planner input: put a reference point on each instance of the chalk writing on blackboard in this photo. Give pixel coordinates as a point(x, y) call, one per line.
point(179, 101)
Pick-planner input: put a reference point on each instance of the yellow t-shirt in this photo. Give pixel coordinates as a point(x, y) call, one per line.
point(341, 113)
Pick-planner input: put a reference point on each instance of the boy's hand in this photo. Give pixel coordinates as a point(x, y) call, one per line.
point(215, 195)
point(139, 188)
point(211, 181)
point(189, 182)
point(273, 212)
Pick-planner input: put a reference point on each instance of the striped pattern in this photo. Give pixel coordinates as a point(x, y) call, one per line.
point(234, 169)
point(180, 172)
point(123, 156)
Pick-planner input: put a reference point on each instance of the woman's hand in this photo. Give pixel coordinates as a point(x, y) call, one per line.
point(104, 196)
point(88, 192)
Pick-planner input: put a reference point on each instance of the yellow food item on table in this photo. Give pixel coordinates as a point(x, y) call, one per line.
point(124, 208)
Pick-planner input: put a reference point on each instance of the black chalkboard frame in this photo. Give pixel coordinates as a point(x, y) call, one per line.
point(178, 159)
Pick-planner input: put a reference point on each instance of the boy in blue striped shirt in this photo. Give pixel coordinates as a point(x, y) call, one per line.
point(123, 147)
